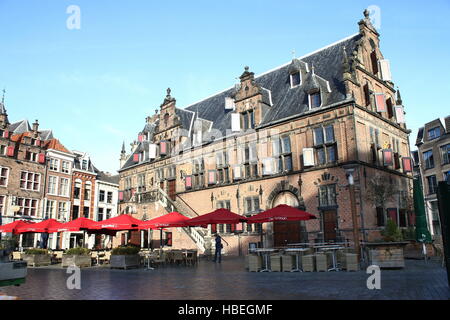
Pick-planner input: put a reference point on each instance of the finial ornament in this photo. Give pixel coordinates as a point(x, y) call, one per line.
point(366, 13)
point(246, 68)
point(3, 97)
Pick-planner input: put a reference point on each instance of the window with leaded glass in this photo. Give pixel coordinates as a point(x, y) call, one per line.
point(445, 152)
point(221, 228)
point(4, 173)
point(281, 151)
point(315, 100)
point(198, 173)
point(432, 184)
point(30, 181)
point(428, 159)
point(325, 145)
point(327, 195)
point(248, 120)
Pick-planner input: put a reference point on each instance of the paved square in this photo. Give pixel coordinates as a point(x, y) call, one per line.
point(229, 280)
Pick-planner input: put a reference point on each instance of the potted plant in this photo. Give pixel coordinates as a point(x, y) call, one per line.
point(79, 257)
point(389, 251)
point(125, 257)
point(37, 257)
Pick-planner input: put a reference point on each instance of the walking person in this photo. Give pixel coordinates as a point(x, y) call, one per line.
point(219, 247)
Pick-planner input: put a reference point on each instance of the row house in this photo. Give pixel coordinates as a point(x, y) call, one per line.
point(289, 136)
point(433, 159)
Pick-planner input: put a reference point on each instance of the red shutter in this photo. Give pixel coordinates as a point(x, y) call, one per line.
point(120, 195)
point(41, 158)
point(6, 134)
point(188, 182)
point(213, 228)
point(140, 137)
point(387, 157)
point(212, 177)
point(240, 227)
point(233, 227)
point(380, 102)
point(392, 214)
point(407, 164)
point(10, 151)
point(163, 148)
point(136, 157)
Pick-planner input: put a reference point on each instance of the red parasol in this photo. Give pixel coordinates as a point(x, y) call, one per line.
point(40, 227)
point(119, 223)
point(74, 225)
point(13, 226)
point(170, 220)
point(219, 216)
point(281, 212)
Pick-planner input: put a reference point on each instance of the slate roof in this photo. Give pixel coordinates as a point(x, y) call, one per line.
point(103, 176)
point(19, 127)
point(322, 69)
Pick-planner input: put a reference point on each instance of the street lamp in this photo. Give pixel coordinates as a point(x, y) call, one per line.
point(349, 170)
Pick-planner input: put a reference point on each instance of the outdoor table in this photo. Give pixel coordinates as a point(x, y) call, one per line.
point(297, 257)
point(333, 250)
point(147, 257)
point(265, 252)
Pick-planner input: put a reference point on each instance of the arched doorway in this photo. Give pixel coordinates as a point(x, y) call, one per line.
point(286, 232)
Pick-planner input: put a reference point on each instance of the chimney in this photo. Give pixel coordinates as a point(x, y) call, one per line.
point(35, 126)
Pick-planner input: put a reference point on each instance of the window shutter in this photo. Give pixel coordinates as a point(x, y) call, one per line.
point(308, 157)
point(380, 102)
point(392, 214)
point(188, 182)
point(235, 122)
point(229, 103)
point(212, 177)
point(385, 70)
point(136, 157)
point(237, 174)
point(163, 148)
point(399, 114)
point(121, 195)
point(240, 227)
point(268, 167)
point(387, 157)
point(374, 60)
point(41, 158)
point(141, 137)
point(10, 151)
point(233, 227)
point(214, 228)
point(407, 164)
point(152, 151)
point(6, 134)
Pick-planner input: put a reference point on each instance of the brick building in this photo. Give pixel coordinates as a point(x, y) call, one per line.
point(289, 135)
point(433, 155)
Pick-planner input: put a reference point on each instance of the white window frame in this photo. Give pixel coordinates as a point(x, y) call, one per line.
point(55, 190)
point(53, 164)
point(26, 180)
point(63, 167)
point(50, 215)
point(291, 82)
point(66, 194)
point(309, 100)
point(7, 176)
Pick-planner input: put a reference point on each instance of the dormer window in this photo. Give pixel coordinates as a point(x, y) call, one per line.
point(295, 79)
point(315, 100)
point(84, 165)
point(434, 133)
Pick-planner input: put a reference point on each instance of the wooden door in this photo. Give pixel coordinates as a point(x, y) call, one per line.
point(285, 232)
point(172, 192)
point(329, 225)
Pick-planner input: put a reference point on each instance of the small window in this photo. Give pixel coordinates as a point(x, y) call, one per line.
point(432, 184)
point(434, 133)
point(315, 100)
point(428, 159)
point(295, 79)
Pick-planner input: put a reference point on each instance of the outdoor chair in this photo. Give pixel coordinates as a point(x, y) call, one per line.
point(105, 258)
point(169, 256)
point(178, 257)
point(160, 259)
point(191, 258)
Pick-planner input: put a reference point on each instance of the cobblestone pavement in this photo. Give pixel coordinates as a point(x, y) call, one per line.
point(229, 281)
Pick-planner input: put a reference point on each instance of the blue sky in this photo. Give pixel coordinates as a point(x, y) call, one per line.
point(94, 86)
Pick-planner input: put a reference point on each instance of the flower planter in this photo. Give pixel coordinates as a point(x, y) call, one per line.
point(37, 260)
point(387, 254)
point(125, 261)
point(78, 260)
